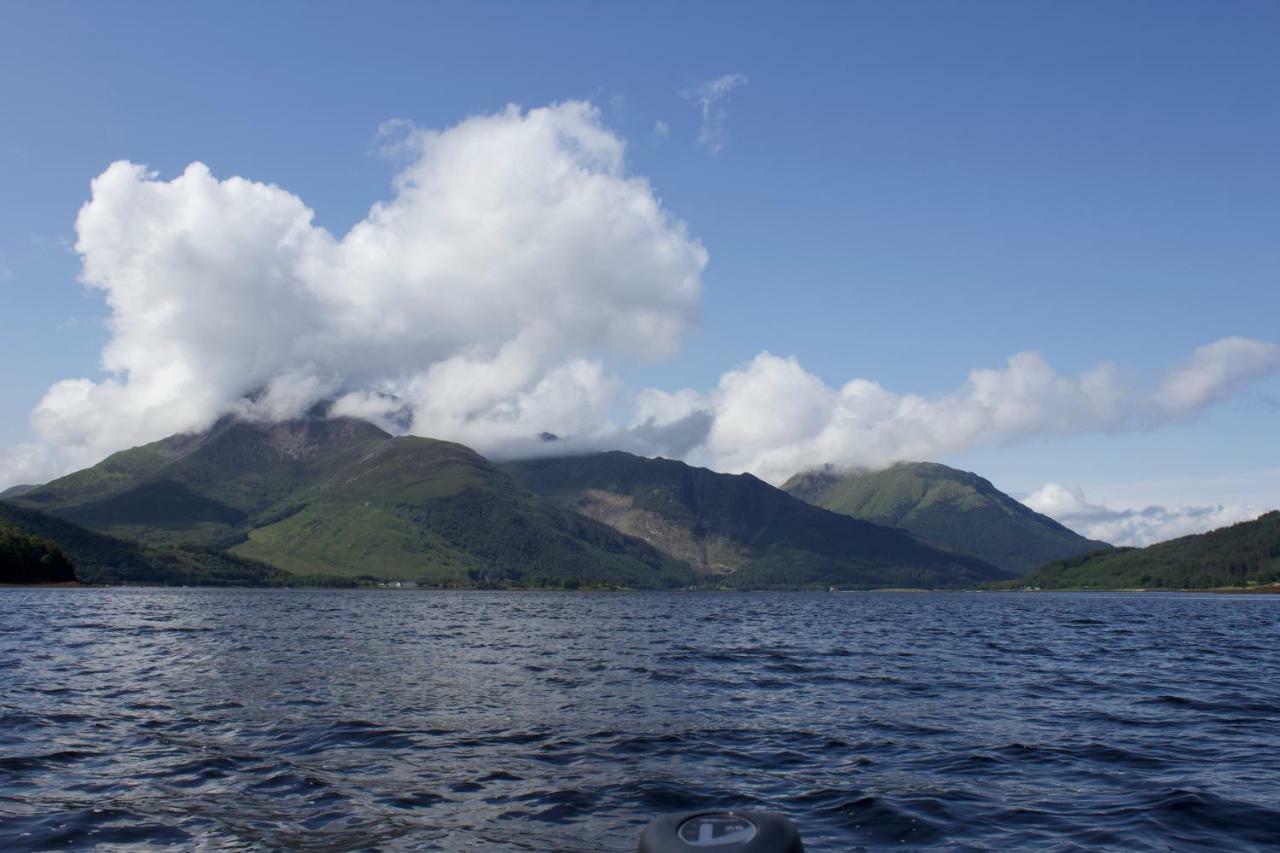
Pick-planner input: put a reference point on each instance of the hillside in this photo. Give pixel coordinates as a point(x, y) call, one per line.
point(25, 558)
point(339, 496)
point(99, 558)
point(741, 529)
point(950, 508)
point(16, 491)
point(1243, 554)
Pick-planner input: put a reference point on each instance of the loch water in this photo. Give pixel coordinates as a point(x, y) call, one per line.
point(417, 719)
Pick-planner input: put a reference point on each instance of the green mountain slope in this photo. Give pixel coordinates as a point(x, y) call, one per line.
point(944, 506)
point(16, 491)
point(741, 529)
point(1244, 554)
point(203, 487)
point(341, 497)
point(99, 558)
point(26, 558)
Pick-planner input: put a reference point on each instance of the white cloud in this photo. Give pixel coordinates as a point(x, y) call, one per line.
point(515, 253)
point(395, 139)
point(31, 462)
point(773, 418)
point(1135, 526)
point(288, 395)
point(1214, 373)
point(661, 129)
point(709, 97)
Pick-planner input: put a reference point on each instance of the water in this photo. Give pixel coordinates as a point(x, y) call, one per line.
point(335, 720)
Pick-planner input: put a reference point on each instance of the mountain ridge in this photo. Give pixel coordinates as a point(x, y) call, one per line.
point(947, 507)
point(739, 528)
point(99, 558)
point(1243, 554)
point(340, 496)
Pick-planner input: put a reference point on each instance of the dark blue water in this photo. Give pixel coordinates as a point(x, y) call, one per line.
point(560, 721)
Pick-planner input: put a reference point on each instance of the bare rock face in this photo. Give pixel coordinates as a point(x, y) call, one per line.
point(711, 554)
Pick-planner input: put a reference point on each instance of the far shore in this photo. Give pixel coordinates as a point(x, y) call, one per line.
point(1266, 589)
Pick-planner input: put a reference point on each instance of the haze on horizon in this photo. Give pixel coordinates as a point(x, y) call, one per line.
point(1002, 245)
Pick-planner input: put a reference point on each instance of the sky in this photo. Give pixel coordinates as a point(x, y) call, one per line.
point(1033, 240)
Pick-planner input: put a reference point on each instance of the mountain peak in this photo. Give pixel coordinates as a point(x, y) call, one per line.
point(947, 506)
point(298, 438)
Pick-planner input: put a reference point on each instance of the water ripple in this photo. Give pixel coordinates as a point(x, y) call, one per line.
point(345, 720)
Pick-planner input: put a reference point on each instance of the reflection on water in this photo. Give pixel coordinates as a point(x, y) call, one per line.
point(418, 719)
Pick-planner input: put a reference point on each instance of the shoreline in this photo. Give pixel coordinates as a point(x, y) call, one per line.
point(1268, 589)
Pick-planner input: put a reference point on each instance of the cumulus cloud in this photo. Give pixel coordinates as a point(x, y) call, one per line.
point(709, 96)
point(1137, 526)
point(774, 418)
point(515, 252)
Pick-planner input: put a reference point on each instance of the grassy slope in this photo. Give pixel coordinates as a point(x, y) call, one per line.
point(17, 491)
point(1240, 555)
point(436, 511)
point(770, 538)
point(201, 489)
point(342, 497)
point(99, 558)
point(951, 508)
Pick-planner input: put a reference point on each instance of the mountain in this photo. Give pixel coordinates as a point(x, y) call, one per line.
point(16, 491)
point(1244, 554)
point(338, 496)
point(99, 558)
point(25, 558)
point(741, 529)
point(946, 507)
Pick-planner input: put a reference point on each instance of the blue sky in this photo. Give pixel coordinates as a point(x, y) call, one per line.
point(905, 191)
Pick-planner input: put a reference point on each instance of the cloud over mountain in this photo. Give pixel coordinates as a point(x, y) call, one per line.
point(1138, 527)
point(772, 417)
point(515, 262)
point(514, 246)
